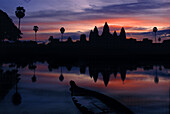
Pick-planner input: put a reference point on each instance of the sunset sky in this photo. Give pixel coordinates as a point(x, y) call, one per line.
point(80, 16)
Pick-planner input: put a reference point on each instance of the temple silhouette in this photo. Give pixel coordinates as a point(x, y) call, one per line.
point(101, 57)
point(104, 46)
point(106, 37)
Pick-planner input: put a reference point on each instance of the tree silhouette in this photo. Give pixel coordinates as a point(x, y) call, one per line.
point(155, 30)
point(8, 29)
point(159, 39)
point(20, 13)
point(35, 29)
point(62, 30)
point(51, 38)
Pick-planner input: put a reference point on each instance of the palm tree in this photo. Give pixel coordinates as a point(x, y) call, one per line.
point(62, 30)
point(20, 13)
point(155, 30)
point(35, 29)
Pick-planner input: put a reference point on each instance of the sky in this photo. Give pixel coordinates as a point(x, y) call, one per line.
point(80, 16)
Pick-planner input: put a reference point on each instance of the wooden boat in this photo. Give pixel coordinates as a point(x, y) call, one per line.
point(91, 102)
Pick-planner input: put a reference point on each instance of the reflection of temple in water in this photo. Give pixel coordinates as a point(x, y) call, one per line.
point(95, 68)
point(106, 72)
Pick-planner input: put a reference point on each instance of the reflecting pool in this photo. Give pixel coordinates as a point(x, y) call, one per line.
point(43, 88)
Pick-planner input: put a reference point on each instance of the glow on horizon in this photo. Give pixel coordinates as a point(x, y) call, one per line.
point(85, 26)
point(83, 16)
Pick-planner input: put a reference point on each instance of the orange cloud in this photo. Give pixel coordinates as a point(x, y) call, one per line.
point(87, 25)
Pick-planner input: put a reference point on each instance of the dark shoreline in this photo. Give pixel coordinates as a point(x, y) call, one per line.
point(87, 50)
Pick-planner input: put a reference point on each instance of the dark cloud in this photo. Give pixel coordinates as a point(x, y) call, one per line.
point(50, 13)
point(137, 28)
point(131, 8)
point(167, 31)
point(43, 28)
point(27, 1)
point(164, 34)
point(110, 11)
point(118, 28)
point(142, 8)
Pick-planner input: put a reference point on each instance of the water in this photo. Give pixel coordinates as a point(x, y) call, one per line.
point(142, 91)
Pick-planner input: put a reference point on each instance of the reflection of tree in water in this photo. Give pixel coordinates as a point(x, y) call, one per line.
point(95, 68)
point(61, 78)
point(106, 70)
point(52, 65)
point(34, 78)
point(33, 67)
point(160, 68)
point(156, 79)
point(69, 67)
point(16, 98)
point(7, 80)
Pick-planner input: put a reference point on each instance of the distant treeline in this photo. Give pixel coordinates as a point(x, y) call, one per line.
point(105, 46)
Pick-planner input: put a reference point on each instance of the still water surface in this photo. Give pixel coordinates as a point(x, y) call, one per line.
point(143, 91)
